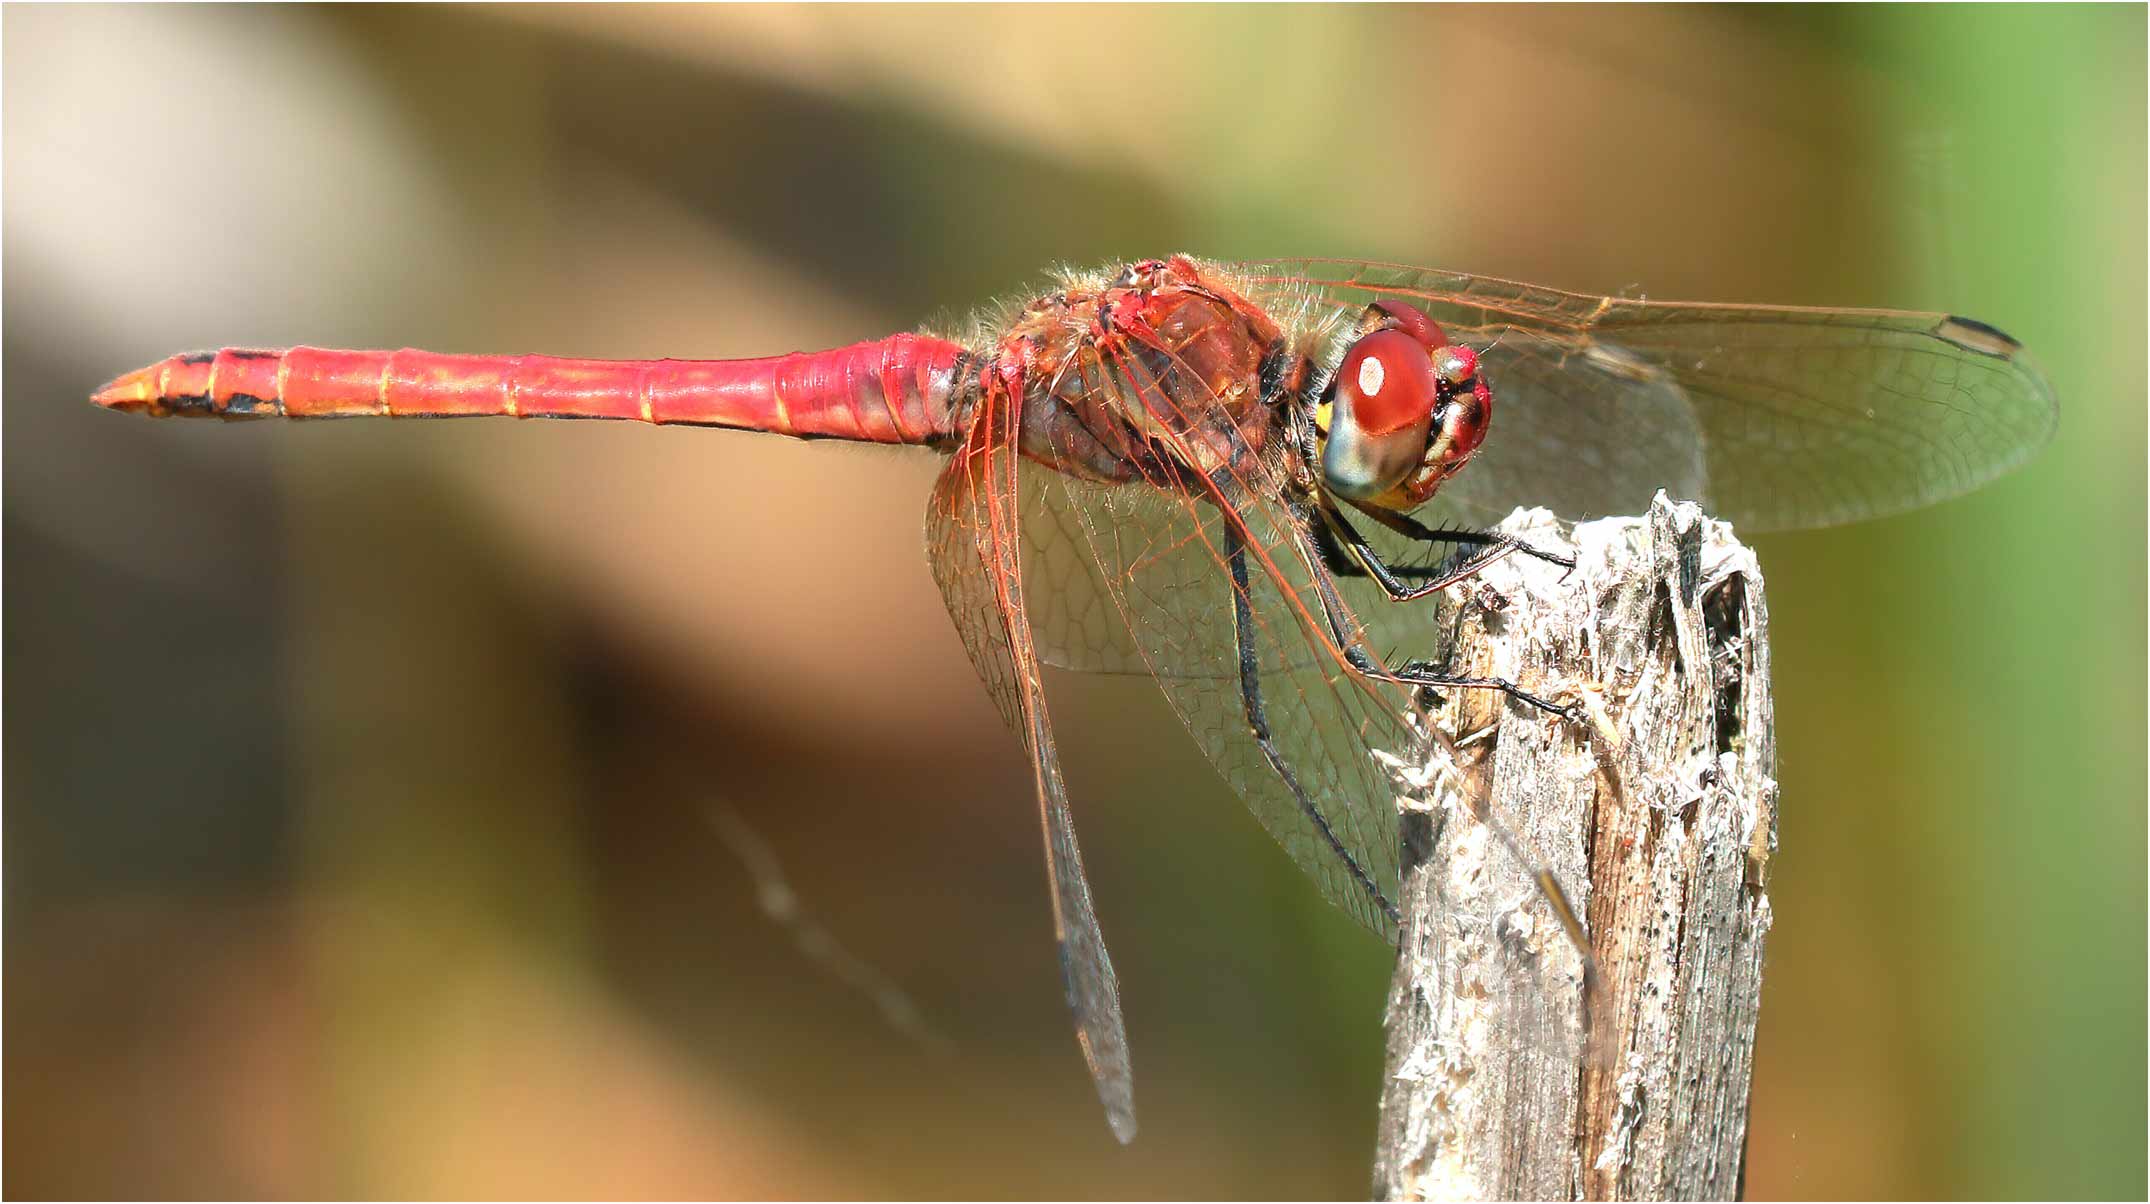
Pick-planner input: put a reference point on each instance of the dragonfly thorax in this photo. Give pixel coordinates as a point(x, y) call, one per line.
point(1159, 369)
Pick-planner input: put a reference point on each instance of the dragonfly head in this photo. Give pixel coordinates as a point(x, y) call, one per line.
point(1407, 409)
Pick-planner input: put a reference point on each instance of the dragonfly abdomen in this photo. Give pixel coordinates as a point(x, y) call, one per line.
point(893, 390)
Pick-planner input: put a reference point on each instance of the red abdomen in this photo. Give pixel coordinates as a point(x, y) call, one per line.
point(900, 389)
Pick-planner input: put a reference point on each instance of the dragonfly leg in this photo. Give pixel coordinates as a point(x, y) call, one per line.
point(1404, 524)
point(1411, 673)
point(1424, 676)
point(1450, 569)
point(1341, 563)
point(1491, 548)
point(1250, 693)
point(1334, 558)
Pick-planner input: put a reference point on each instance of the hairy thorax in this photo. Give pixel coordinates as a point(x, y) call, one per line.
point(1159, 370)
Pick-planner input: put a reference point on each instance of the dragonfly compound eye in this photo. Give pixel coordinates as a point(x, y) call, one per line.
point(1462, 411)
point(1381, 415)
point(1456, 365)
point(1466, 410)
point(1397, 315)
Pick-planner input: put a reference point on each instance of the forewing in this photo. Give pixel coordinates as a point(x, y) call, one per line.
point(1772, 417)
point(973, 543)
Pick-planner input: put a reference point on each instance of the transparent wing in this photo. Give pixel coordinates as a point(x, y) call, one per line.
point(1076, 577)
point(1153, 565)
point(1079, 621)
point(1773, 418)
point(971, 539)
point(1158, 567)
point(1141, 575)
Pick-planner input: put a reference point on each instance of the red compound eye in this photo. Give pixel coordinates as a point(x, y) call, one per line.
point(1397, 315)
point(1466, 426)
point(1388, 382)
point(1456, 365)
point(1382, 415)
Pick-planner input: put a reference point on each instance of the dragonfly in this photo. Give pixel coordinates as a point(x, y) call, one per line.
point(1250, 480)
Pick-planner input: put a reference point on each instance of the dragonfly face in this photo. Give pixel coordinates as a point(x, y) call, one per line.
point(1406, 410)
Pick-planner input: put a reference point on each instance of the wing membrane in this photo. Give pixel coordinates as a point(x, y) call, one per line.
point(1773, 417)
point(1163, 580)
point(971, 539)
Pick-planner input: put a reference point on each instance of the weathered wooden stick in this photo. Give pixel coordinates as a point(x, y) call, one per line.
point(1658, 818)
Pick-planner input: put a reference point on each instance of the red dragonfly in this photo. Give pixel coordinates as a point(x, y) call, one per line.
point(1239, 477)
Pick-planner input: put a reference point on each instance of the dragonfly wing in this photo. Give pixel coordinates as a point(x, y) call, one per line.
point(1139, 572)
point(1074, 613)
point(972, 540)
point(1773, 417)
point(1812, 418)
point(1082, 545)
point(1162, 564)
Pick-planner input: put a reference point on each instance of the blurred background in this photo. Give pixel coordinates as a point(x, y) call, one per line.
point(361, 779)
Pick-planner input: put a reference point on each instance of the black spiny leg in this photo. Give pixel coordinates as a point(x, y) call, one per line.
point(1405, 525)
point(1250, 694)
point(1450, 569)
point(1492, 548)
point(1421, 672)
point(1334, 558)
point(1336, 616)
